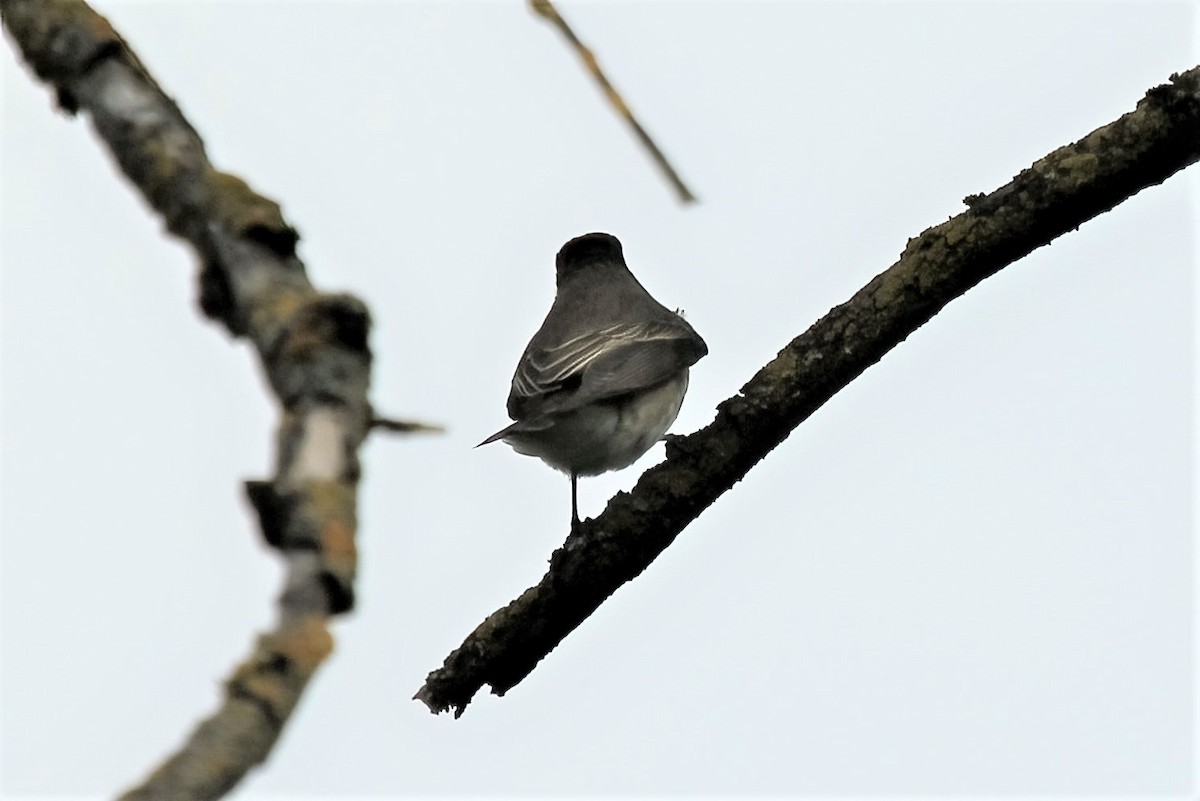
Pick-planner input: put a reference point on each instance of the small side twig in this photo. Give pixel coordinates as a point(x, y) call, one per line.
point(405, 426)
point(546, 10)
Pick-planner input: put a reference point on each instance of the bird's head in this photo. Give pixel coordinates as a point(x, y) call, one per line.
point(586, 251)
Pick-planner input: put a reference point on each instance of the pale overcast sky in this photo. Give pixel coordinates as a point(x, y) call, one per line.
point(972, 572)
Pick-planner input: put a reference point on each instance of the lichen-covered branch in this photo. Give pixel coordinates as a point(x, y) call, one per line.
point(546, 10)
point(1057, 194)
point(314, 352)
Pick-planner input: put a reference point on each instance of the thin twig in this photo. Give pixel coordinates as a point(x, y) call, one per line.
point(1055, 196)
point(546, 10)
point(405, 426)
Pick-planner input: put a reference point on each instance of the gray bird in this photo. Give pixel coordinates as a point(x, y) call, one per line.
point(603, 378)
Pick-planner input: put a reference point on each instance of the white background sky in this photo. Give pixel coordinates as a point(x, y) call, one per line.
point(972, 572)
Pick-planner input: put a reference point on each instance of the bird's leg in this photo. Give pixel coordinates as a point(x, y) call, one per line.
point(574, 503)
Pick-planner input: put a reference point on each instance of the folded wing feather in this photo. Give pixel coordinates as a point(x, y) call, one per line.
point(621, 358)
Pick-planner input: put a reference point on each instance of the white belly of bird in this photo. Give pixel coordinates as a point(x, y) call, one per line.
point(607, 436)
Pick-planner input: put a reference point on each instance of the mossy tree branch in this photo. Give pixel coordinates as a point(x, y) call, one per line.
point(312, 346)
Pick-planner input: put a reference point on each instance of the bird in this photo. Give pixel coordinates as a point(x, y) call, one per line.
point(603, 378)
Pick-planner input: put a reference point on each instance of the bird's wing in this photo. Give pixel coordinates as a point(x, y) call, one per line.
point(615, 360)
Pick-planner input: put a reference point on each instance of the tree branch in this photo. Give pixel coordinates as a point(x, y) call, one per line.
point(314, 352)
point(1057, 194)
point(546, 10)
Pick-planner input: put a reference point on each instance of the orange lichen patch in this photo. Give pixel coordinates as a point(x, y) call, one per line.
point(282, 664)
point(308, 326)
point(265, 683)
point(318, 321)
point(98, 28)
point(271, 311)
point(337, 542)
point(306, 643)
point(286, 305)
point(101, 31)
point(302, 342)
point(331, 500)
point(249, 213)
point(265, 686)
point(61, 40)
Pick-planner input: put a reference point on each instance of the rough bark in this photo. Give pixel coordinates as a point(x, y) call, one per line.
point(313, 350)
